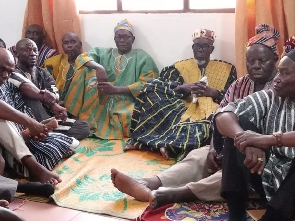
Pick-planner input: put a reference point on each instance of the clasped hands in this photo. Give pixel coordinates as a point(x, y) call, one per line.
point(253, 145)
point(199, 88)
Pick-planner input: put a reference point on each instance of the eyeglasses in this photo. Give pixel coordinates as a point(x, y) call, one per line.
point(124, 37)
point(204, 47)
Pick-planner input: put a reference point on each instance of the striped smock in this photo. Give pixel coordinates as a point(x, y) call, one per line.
point(270, 114)
point(49, 151)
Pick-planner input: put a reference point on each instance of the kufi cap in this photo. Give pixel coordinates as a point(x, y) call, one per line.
point(204, 33)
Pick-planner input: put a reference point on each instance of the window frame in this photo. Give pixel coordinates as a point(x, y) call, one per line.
point(186, 9)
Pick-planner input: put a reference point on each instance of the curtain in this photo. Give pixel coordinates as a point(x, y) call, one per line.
point(249, 13)
point(56, 16)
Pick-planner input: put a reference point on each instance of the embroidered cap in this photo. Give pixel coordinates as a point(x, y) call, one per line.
point(124, 25)
point(204, 33)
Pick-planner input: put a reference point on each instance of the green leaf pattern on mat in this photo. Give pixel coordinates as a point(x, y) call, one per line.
point(91, 189)
point(113, 196)
point(152, 162)
point(102, 147)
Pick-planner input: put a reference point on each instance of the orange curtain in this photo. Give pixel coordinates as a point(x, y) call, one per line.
point(249, 13)
point(56, 16)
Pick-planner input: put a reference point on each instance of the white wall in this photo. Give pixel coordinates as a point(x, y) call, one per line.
point(166, 37)
point(12, 14)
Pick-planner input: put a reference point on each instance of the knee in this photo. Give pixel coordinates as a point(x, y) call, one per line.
point(5, 194)
point(6, 214)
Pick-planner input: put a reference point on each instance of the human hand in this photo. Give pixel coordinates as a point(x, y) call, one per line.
point(255, 159)
point(36, 130)
point(249, 138)
point(106, 88)
point(60, 112)
point(184, 89)
point(201, 89)
point(48, 97)
point(213, 164)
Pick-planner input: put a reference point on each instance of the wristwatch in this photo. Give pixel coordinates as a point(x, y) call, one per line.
point(278, 135)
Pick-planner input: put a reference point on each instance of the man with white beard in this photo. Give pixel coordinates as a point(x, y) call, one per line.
point(166, 118)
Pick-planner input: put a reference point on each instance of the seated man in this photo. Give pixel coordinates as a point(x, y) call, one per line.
point(180, 126)
point(105, 98)
point(37, 34)
point(263, 121)
point(183, 181)
point(26, 53)
point(61, 66)
point(49, 151)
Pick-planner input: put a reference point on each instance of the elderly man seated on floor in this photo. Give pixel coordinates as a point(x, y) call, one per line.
point(183, 181)
point(106, 82)
point(172, 113)
point(26, 53)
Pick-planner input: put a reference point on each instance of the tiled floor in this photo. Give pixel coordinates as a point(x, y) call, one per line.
point(33, 211)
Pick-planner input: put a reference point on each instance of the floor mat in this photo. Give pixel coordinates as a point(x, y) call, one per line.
point(187, 212)
point(195, 211)
point(86, 181)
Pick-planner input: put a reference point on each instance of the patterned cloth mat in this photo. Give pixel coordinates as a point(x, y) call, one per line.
point(86, 181)
point(194, 211)
point(187, 212)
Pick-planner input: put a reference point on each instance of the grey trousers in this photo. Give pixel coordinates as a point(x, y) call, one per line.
point(189, 172)
point(7, 188)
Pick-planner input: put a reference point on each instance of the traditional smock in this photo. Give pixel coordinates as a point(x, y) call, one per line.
point(270, 114)
point(49, 151)
point(62, 72)
point(109, 116)
point(163, 119)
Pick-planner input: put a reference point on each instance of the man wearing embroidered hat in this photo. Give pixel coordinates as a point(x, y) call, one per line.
point(183, 181)
point(106, 82)
point(187, 126)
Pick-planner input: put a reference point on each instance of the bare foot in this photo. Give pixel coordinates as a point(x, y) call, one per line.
point(129, 147)
point(164, 153)
point(4, 203)
point(130, 186)
point(38, 172)
point(164, 196)
point(43, 175)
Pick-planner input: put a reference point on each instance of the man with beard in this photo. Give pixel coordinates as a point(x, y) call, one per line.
point(183, 122)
